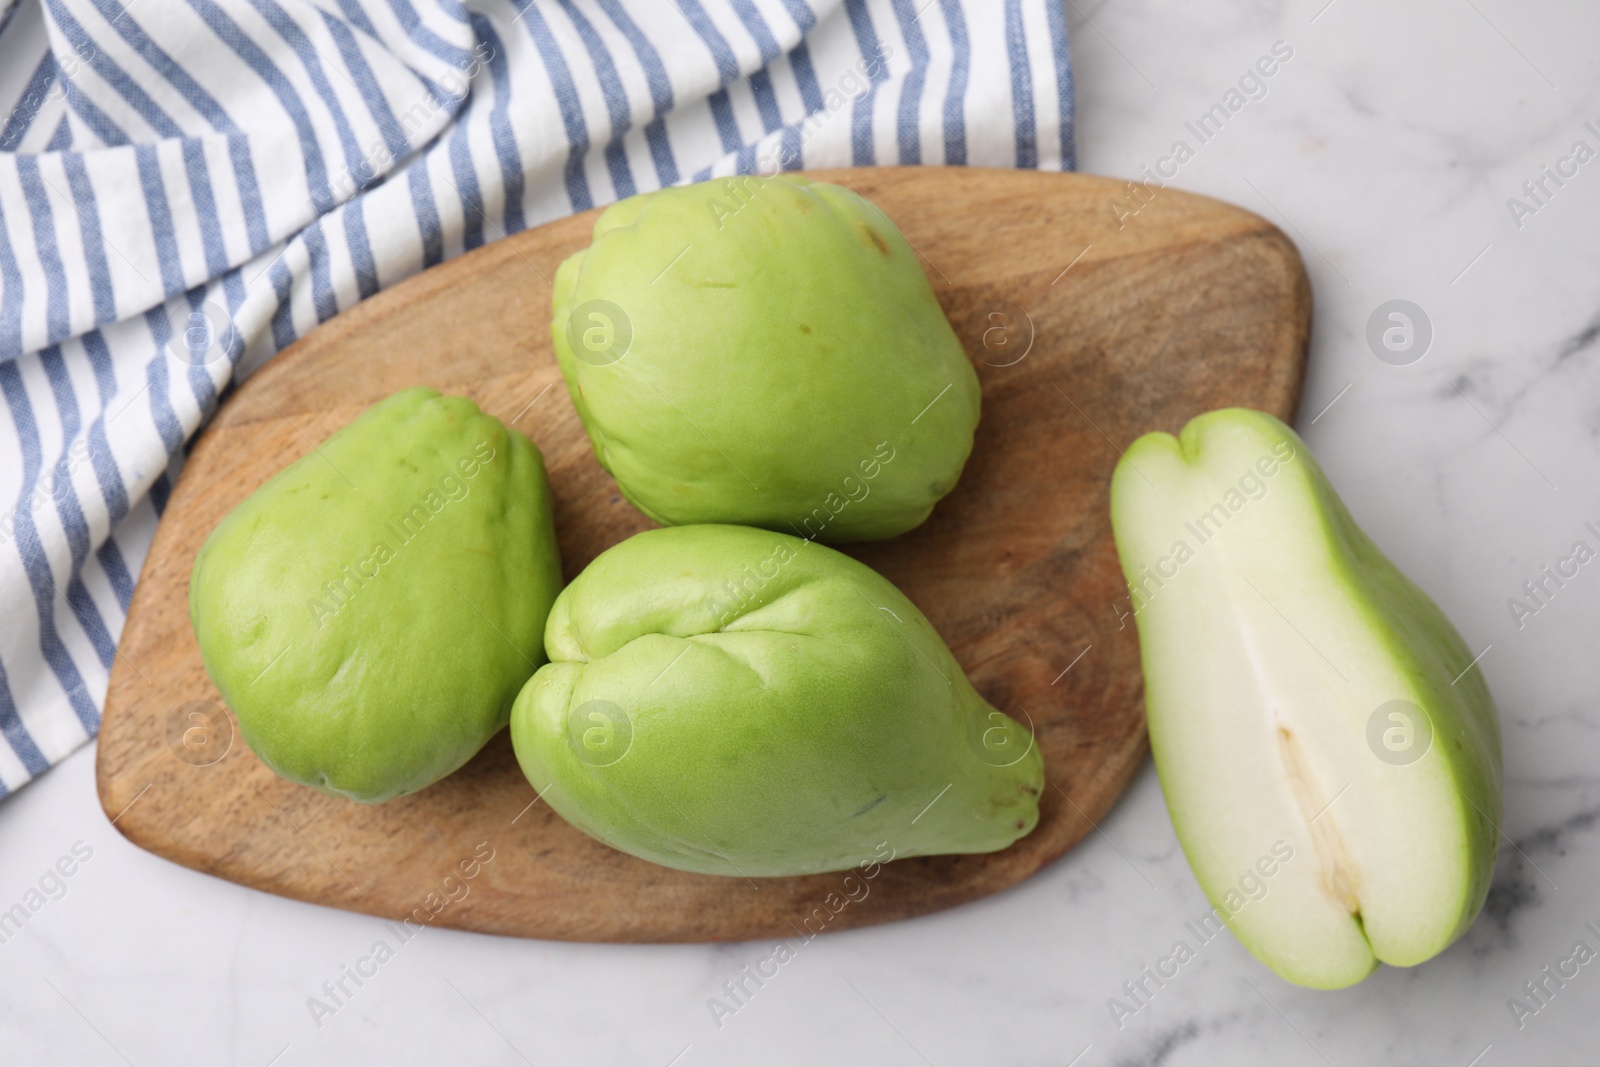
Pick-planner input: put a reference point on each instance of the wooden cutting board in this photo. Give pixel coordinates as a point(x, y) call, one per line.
point(1093, 313)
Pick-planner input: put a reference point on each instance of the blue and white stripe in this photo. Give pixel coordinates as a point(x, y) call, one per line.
point(263, 165)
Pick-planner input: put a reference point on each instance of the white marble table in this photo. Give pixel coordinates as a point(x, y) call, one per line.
point(1387, 146)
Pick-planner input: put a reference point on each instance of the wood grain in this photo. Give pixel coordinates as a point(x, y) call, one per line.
point(1086, 332)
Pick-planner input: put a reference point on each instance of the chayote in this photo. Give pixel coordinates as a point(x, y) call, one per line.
point(733, 701)
point(371, 612)
point(768, 352)
point(1327, 744)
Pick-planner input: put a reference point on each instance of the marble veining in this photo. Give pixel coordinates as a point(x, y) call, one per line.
point(1388, 148)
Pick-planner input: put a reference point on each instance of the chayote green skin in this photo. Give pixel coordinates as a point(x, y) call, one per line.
point(767, 352)
point(371, 612)
point(791, 726)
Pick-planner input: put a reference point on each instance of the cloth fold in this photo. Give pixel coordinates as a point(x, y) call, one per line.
point(188, 186)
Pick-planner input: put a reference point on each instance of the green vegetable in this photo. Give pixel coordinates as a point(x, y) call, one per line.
point(1330, 758)
point(765, 351)
point(730, 701)
point(371, 612)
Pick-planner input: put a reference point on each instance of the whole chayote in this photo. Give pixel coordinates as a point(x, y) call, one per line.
point(733, 701)
point(371, 612)
point(767, 352)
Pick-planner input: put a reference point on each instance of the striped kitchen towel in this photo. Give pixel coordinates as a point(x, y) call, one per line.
point(187, 186)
